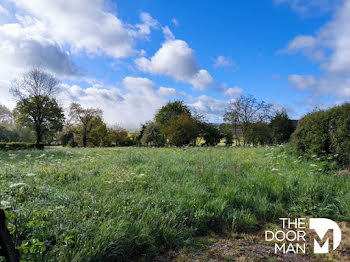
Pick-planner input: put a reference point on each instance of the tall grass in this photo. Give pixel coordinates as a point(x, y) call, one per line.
point(133, 203)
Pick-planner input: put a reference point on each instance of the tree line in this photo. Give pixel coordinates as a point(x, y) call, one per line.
point(39, 117)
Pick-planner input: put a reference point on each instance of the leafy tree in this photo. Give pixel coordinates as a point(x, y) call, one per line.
point(182, 130)
point(259, 134)
point(226, 132)
point(67, 137)
point(152, 135)
point(7, 135)
point(87, 119)
point(170, 110)
point(210, 133)
point(36, 106)
point(245, 111)
point(282, 127)
point(118, 136)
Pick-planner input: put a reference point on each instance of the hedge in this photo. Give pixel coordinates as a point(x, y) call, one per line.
point(18, 145)
point(325, 134)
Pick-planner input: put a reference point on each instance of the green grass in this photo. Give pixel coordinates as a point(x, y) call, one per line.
point(134, 203)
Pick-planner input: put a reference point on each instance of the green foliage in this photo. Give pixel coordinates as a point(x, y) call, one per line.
point(282, 127)
point(182, 130)
point(130, 204)
point(119, 137)
point(7, 134)
point(171, 110)
point(67, 137)
point(152, 135)
point(18, 145)
point(210, 133)
point(259, 134)
point(227, 133)
point(325, 134)
point(42, 114)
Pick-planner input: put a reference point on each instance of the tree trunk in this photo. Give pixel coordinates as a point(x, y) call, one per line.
point(38, 137)
point(84, 138)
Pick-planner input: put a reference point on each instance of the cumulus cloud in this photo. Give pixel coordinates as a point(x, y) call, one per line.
point(176, 59)
point(86, 25)
point(329, 46)
point(134, 103)
point(233, 92)
point(212, 108)
point(168, 91)
point(21, 47)
point(302, 81)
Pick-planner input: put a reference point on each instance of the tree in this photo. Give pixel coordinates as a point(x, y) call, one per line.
point(152, 135)
point(6, 116)
point(226, 132)
point(210, 133)
point(36, 105)
point(118, 136)
point(86, 118)
point(182, 130)
point(282, 127)
point(170, 110)
point(247, 110)
point(259, 134)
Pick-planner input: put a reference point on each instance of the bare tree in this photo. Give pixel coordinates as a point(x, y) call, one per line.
point(244, 111)
point(85, 117)
point(36, 106)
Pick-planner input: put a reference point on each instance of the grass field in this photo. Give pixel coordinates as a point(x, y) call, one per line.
point(135, 203)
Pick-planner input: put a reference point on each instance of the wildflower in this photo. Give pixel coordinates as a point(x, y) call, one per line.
point(320, 169)
point(313, 165)
point(31, 174)
point(336, 155)
point(329, 158)
point(28, 155)
point(5, 204)
point(17, 185)
point(60, 208)
point(275, 170)
point(141, 175)
point(314, 156)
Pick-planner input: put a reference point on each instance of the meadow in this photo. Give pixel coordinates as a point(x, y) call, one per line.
point(120, 204)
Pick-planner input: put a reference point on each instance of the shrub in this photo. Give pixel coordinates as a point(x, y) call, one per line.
point(325, 134)
point(18, 146)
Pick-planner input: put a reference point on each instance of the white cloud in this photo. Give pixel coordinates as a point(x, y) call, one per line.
point(175, 22)
point(233, 92)
point(213, 109)
point(85, 25)
point(302, 81)
point(167, 33)
point(329, 46)
point(306, 7)
point(137, 104)
point(168, 91)
point(176, 59)
point(4, 11)
point(222, 61)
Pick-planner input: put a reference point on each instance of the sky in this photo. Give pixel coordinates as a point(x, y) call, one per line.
point(129, 58)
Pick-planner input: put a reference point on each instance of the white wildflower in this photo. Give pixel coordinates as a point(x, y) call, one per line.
point(17, 185)
point(5, 204)
point(313, 165)
point(60, 208)
point(275, 170)
point(31, 174)
point(314, 156)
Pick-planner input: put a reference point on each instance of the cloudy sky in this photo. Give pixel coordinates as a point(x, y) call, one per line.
point(130, 57)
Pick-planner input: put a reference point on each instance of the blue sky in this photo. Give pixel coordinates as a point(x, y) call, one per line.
point(130, 57)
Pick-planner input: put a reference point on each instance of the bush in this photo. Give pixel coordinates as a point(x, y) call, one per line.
point(325, 134)
point(18, 146)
